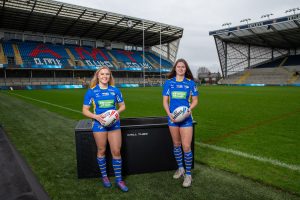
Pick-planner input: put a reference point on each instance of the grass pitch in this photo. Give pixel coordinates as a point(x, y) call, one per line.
point(259, 121)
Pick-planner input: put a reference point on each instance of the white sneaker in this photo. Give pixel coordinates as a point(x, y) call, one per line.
point(187, 181)
point(179, 173)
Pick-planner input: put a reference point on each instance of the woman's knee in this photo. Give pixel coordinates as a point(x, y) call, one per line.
point(186, 147)
point(101, 152)
point(116, 153)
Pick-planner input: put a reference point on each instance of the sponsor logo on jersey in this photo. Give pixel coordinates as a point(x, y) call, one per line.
point(106, 103)
point(179, 86)
point(178, 95)
point(105, 93)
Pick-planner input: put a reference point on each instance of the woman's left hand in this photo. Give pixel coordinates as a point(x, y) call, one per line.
point(189, 112)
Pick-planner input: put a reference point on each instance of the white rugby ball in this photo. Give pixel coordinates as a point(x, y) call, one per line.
point(180, 113)
point(110, 117)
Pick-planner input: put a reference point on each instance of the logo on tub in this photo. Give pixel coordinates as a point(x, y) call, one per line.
point(137, 134)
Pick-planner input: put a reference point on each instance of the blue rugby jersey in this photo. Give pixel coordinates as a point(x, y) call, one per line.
point(179, 92)
point(103, 99)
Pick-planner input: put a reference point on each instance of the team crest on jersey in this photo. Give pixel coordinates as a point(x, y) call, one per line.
point(187, 87)
point(112, 93)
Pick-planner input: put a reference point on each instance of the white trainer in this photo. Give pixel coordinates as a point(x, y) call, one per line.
point(179, 173)
point(187, 181)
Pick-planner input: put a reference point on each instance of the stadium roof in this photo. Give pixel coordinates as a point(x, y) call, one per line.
point(52, 17)
point(283, 32)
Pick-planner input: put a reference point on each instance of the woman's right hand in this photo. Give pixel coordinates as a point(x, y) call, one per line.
point(100, 118)
point(171, 117)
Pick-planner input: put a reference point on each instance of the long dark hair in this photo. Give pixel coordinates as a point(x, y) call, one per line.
point(188, 73)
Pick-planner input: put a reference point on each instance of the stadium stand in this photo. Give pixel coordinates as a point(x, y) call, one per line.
point(63, 44)
point(34, 55)
point(265, 52)
point(282, 71)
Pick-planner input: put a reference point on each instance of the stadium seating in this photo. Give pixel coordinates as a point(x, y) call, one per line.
point(31, 54)
point(157, 59)
point(272, 76)
point(285, 70)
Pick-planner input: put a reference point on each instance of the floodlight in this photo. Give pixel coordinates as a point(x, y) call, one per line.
point(267, 15)
point(227, 24)
point(245, 20)
point(292, 10)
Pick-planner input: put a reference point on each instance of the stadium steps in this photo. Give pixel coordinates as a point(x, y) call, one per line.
point(283, 61)
point(151, 63)
point(297, 81)
point(293, 79)
point(153, 60)
point(18, 57)
point(3, 59)
point(71, 61)
point(114, 60)
point(243, 78)
point(81, 63)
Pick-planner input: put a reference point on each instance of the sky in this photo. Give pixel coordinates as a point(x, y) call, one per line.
point(197, 18)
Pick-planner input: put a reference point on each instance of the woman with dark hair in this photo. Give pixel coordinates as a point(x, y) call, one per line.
point(103, 96)
point(179, 90)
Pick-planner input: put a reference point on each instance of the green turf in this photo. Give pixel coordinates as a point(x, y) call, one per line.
point(263, 121)
point(46, 140)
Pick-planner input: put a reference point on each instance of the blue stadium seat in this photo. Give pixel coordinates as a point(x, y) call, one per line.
point(47, 55)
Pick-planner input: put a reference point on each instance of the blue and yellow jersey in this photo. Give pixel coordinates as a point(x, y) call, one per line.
point(179, 92)
point(103, 99)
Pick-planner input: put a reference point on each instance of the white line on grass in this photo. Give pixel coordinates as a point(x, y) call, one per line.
point(253, 157)
point(222, 149)
point(45, 102)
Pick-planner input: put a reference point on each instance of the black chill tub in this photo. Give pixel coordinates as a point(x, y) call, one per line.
point(146, 147)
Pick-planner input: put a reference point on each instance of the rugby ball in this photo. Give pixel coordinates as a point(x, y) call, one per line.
point(110, 117)
point(180, 113)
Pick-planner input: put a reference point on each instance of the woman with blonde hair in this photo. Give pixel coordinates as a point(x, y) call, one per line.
point(104, 96)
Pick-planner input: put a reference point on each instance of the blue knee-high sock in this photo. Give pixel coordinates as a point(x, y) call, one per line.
point(188, 158)
point(102, 166)
point(117, 165)
point(178, 155)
